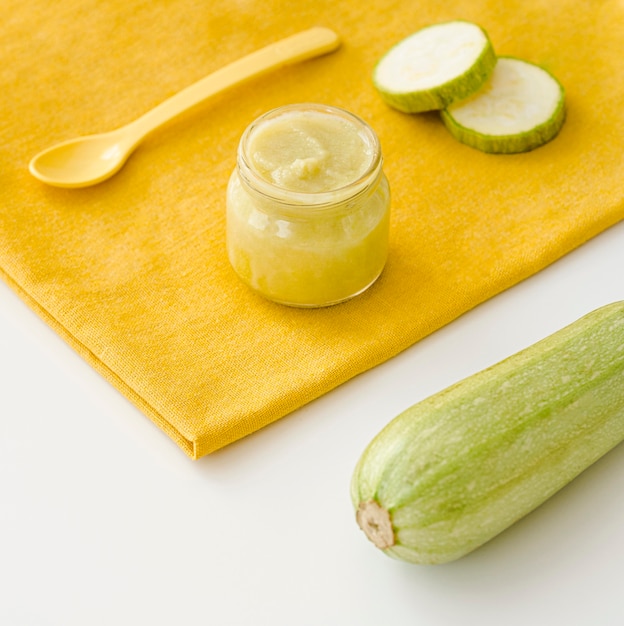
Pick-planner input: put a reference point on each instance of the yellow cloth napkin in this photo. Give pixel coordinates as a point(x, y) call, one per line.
point(133, 272)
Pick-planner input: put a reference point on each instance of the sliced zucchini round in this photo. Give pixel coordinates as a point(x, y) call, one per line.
point(520, 108)
point(435, 67)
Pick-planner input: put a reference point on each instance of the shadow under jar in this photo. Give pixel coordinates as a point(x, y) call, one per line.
point(308, 206)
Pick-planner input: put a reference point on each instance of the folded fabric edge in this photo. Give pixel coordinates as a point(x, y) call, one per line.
point(190, 447)
point(204, 443)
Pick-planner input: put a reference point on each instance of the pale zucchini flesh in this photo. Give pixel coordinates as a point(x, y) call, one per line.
point(458, 468)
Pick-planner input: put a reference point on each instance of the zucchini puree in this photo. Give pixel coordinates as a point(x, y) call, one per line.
point(314, 231)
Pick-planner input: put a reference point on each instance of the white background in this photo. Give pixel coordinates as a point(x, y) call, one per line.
point(104, 521)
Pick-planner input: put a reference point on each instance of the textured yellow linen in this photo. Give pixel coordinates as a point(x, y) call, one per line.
point(133, 272)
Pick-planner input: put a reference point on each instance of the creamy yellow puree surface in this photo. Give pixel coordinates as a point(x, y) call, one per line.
point(309, 151)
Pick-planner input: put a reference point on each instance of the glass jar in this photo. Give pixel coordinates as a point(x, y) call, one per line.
point(308, 206)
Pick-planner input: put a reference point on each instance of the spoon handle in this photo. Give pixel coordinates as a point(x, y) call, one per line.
point(304, 45)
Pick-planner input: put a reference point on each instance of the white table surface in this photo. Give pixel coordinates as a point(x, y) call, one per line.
point(128, 531)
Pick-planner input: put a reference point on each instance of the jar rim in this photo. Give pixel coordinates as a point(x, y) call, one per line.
point(277, 193)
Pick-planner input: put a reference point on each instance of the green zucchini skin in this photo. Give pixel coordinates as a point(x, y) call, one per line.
point(453, 471)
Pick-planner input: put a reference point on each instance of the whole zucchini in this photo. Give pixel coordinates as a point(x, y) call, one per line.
point(456, 469)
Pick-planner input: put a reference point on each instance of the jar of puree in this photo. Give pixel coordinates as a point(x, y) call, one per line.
point(308, 206)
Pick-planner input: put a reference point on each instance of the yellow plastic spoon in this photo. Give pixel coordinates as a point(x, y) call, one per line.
point(89, 160)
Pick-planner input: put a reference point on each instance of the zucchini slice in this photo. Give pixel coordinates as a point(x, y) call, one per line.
point(520, 108)
point(435, 67)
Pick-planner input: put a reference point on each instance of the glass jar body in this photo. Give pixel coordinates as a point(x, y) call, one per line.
point(311, 249)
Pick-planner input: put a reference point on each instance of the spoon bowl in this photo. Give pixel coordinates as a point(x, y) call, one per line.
point(82, 161)
point(92, 159)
